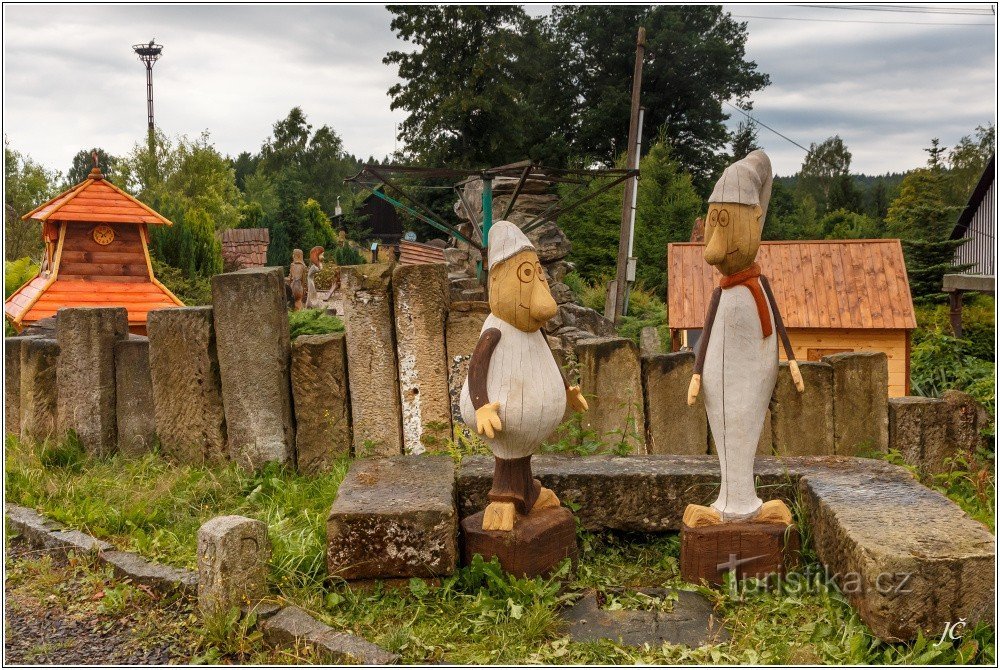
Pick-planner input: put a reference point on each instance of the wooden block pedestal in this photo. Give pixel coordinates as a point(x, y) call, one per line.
point(751, 549)
point(535, 547)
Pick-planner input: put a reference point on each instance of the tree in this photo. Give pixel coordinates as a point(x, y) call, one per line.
point(825, 166)
point(744, 139)
point(695, 61)
point(27, 184)
point(842, 224)
point(967, 160)
point(482, 87)
point(667, 206)
point(83, 163)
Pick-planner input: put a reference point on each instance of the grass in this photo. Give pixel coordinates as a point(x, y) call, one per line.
point(479, 615)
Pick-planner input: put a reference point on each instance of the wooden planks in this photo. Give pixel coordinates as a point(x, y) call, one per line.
point(817, 284)
point(98, 201)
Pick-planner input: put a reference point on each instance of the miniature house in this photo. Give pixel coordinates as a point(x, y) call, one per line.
point(96, 255)
point(835, 296)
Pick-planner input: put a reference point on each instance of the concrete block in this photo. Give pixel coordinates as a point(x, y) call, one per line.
point(294, 626)
point(671, 426)
point(371, 360)
point(322, 405)
point(134, 397)
point(187, 390)
point(420, 301)
point(254, 348)
point(394, 517)
point(802, 423)
point(86, 374)
point(611, 381)
point(860, 402)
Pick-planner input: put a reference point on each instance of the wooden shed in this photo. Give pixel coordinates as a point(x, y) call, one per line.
point(834, 295)
point(381, 219)
point(96, 255)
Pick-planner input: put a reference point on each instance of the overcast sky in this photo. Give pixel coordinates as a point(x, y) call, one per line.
point(71, 79)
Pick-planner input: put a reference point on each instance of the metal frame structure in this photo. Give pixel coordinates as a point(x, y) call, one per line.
point(381, 178)
point(149, 54)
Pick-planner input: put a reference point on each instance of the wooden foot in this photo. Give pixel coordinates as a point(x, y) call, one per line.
point(499, 516)
point(749, 549)
point(536, 545)
point(697, 516)
point(774, 511)
point(546, 498)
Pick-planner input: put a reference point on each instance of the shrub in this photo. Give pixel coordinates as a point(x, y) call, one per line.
point(313, 322)
point(16, 274)
point(192, 290)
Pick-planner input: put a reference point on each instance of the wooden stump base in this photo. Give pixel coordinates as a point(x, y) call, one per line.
point(535, 547)
point(751, 549)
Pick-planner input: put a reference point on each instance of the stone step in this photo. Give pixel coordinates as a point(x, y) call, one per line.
point(394, 517)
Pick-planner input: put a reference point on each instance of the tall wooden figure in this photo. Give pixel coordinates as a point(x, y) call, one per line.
point(736, 367)
point(514, 397)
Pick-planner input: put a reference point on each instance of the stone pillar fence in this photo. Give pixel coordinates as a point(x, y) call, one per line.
point(223, 383)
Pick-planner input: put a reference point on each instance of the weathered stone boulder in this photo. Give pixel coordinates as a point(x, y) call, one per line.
point(611, 381)
point(967, 420)
point(556, 271)
point(577, 317)
point(550, 242)
point(254, 347)
point(929, 432)
point(233, 552)
point(134, 396)
point(12, 384)
point(462, 329)
point(671, 426)
point(907, 558)
point(322, 405)
point(86, 374)
point(371, 360)
point(394, 517)
point(561, 293)
point(187, 390)
point(860, 402)
point(802, 423)
point(39, 388)
point(649, 341)
point(420, 300)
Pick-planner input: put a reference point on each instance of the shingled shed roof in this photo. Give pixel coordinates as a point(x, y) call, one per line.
point(95, 199)
point(415, 253)
point(817, 284)
point(245, 247)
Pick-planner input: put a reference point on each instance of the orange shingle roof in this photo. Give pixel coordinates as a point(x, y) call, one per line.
point(817, 284)
point(138, 297)
point(96, 199)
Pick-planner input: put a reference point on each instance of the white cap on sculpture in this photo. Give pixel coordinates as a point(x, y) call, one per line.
point(505, 240)
point(746, 182)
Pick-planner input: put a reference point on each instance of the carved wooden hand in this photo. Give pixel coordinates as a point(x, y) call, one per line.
point(488, 419)
point(575, 399)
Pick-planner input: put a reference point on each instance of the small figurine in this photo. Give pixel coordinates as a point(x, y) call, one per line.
point(297, 279)
point(315, 265)
point(515, 394)
point(737, 354)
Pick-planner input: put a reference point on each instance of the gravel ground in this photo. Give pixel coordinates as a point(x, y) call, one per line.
point(58, 613)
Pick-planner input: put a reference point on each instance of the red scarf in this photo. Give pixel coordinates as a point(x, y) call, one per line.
point(749, 278)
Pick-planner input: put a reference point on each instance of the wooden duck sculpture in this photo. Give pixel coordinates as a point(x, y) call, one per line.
point(736, 363)
point(515, 394)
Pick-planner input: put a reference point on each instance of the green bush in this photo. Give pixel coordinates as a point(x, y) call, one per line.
point(313, 322)
point(16, 274)
point(191, 290)
point(940, 362)
point(978, 324)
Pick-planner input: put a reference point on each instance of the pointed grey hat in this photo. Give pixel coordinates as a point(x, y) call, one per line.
point(506, 240)
point(746, 182)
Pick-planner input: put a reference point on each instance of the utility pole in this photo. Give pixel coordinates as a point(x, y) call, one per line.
point(614, 306)
point(149, 54)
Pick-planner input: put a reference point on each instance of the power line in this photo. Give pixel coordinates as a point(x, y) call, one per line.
point(908, 9)
point(892, 23)
point(781, 135)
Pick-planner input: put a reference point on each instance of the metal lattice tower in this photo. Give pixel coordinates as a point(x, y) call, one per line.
point(149, 54)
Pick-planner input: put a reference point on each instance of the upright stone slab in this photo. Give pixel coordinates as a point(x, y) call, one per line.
point(134, 396)
point(860, 402)
point(462, 329)
point(420, 301)
point(802, 423)
point(254, 346)
point(187, 392)
point(39, 388)
point(907, 558)
point(322, 406)
point(966, 419)
point(233, 552)
point(914, 420)
point(611, 380)
point(394, 517)
point(650, 343)
point(671, 426)
point(86, 374)
point(12, 384)
point(371, 360)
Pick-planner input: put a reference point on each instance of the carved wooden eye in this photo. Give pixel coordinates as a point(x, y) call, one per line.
point(526, 272)
point(541, 272)
point(713, 217)
point(104, 235)
point(723, 218)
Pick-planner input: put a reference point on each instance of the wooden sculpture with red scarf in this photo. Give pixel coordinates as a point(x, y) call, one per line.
point(736, 363)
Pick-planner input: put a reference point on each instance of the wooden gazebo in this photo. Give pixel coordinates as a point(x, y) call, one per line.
point(96, 255)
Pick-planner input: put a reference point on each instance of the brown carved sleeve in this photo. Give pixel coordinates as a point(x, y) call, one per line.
point(706, 332)
point(479, 366)
point(778, 323)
